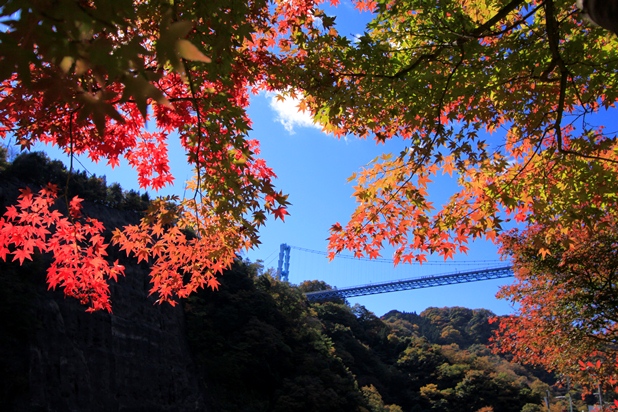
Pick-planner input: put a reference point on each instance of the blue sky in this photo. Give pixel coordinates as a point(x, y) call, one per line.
point(313, 168)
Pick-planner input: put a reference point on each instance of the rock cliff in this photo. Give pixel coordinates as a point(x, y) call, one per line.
point(56, 357)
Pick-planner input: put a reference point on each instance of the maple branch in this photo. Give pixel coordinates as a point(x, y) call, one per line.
point(554, 41)
point(196, 106)
point(513, 25)
point(502, 190)
point(70, 148)
point(170, 99)
point(66, 189)
point(501, 14)
point(427, 154)
point(446, 87)
point(462, 39)
point(199, 126)
point(88, 12)
point(427, 57)
point(545, 75)
point(199, 146)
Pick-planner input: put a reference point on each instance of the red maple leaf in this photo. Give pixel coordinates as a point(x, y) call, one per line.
point(280, 212)
point(21, 254)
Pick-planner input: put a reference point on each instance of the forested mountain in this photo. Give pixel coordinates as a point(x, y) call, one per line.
point(461, 326)
point(256, 344)
point(57, 357)
point(261, 346)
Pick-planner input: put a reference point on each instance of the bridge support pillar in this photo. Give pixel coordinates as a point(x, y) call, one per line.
point(283, 267)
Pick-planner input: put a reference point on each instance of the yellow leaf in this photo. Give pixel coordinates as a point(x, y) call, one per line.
point(188, 51)
point(81, 67)
point(66, 63)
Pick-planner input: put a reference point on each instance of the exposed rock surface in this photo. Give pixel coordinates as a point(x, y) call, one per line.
point(57, 357)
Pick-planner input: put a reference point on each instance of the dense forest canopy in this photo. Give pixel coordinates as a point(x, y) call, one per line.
point(262, 346)
point(567, 306)
point(258, 345)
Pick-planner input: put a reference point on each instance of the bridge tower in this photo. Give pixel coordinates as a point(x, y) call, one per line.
point(283, 267)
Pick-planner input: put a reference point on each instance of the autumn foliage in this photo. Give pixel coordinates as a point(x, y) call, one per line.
point(566, 303)
point(116, 79)
point(76, 242)
point(510, 99)
point(504, 96)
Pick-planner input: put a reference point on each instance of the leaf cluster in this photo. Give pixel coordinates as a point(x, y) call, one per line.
point(501, 95)
point(82, 76)
point(567, 308)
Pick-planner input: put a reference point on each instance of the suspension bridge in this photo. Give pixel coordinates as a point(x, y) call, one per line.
point(418, 282)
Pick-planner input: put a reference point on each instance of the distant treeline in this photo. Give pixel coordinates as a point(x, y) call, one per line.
point(37, 169)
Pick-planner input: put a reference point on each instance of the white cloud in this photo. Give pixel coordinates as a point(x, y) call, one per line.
point(289, 115)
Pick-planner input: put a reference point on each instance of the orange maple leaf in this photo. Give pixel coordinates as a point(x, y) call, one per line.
point(213, 283)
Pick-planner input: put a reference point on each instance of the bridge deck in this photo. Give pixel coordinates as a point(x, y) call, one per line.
point(413, 283)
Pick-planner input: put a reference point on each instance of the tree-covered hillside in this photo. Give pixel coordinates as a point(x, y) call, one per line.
point(37, 169)
point(461, 326)
point(256, 344)
point(261, 346)
point(54, 356)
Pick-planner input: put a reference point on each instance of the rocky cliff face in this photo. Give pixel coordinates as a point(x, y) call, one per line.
point(56, 357)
